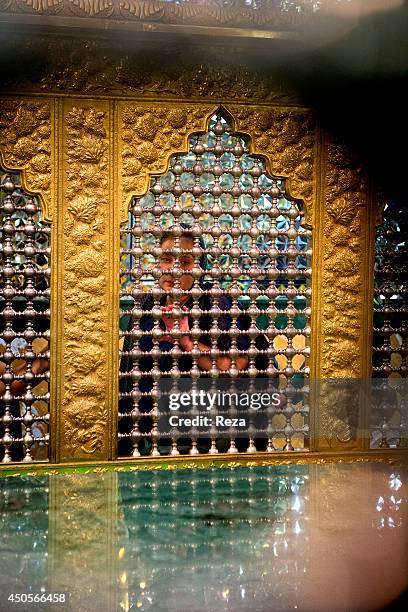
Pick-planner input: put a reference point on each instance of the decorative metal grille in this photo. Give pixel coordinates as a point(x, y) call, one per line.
point(220, 238)
point(24, 325)
point(390, 338)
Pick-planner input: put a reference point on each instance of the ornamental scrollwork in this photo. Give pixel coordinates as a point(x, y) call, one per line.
point(342, 290)
point(25, 144)
point(59, 65)
point(150, 134)
point(84, 404)
point(287, 137)
point(209, 13)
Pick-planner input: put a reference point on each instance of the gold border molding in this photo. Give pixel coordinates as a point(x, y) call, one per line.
point(395, 457)
point(210, 13)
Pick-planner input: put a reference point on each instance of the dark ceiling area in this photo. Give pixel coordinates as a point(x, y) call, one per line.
point(358, 85)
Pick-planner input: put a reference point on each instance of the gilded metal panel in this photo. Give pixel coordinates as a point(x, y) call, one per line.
point(26, 144)
point(84, 429)
point(345, 295)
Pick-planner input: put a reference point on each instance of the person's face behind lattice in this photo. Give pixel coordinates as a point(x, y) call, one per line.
point(168, 261)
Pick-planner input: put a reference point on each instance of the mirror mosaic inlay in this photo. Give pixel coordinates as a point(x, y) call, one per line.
point(24, 325)
point(388, 420)
point(215, 283)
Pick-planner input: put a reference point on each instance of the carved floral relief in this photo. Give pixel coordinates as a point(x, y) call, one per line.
point(84, 286)
point(150, 134)
point(25, 144)
point(287, 137)
point(343, 294)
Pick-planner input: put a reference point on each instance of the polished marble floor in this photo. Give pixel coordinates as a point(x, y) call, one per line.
point(317, 537)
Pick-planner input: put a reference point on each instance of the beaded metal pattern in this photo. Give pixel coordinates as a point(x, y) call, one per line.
point(24, 325)
point(250, 248)
point(390, 339)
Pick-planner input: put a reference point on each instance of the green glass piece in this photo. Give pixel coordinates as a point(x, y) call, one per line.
point(281, 302)
point(299, 321)
point(262, 321)
point(281, 321)
point(262, 302)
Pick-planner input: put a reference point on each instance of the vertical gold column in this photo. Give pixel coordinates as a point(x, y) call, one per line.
point(84, 420)
point(345, 298)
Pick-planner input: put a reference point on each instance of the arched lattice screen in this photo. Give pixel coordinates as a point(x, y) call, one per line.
point(24, 325)
point(390, 348)
point(215, 284)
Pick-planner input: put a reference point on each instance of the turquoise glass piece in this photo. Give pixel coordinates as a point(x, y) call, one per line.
point(263, 222)
point(167, 180)
point(206, 200)
point(246, 181)
point(227, 160)
point(187, 161)
point(226, 181)
point(147, 241)
point(225, 221)
point(147, 201)
point(147, 221)
point(187, 219)
point(246, 162)
point(284, 204)
point(227, 140)
point(208, 160)
point(206, 220)
point(245, 222)
point(207, 140)
point(265, 202)
point(186, 200)
point(282, 223)
point(147, 261)
point(207, 180)
point(263, 243)
point(187, 180)
point(226, 201)
point(245, 202)
point(264, 182)
point(244, 242)
point(167, 200)
point(166, 220)
point(146, 282)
